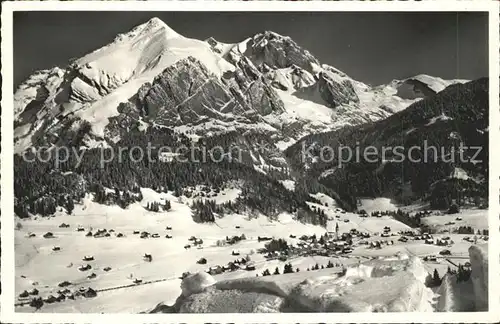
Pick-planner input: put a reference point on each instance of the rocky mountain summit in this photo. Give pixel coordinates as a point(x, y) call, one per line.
point(154, 76)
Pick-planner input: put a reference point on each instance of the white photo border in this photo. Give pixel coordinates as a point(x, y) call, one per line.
point(7, 298)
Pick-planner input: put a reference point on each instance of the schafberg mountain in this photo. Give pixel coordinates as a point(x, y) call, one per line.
point(264, 95)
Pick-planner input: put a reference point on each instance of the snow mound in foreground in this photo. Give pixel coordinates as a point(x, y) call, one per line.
point(479, 262)
point(196, 283)
point(384, 286)
point(395, 285)
point(471, 295)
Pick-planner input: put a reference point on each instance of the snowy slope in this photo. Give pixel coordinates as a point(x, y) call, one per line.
point(435, 83)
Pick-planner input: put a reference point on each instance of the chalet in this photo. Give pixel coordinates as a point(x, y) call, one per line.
point(80, 229)
point(192, 239)
point(168, 236)
point(64, 284)
point(445, 252)
point(56, 248)
point(155, 235)
point(432, 258)
point(135, 232)
point(24, 294)
point(34, 292)
point(85, 267)
point(48, 235)
point(169, 228)
point(144, 235)
point(147, 257)
point(202, 261)
point(215, 270)
point(441, 242)
point(107, 269)
point(92, 276)
point(187, 246)
point(51, 299)
point(429, 241)
point(60, 297)
point(250, 266)
point(119, 235)
point(90, 293)
point(137, 281)
point(232, 266)
point(89, 234)
point(64, 225)
point(88, 258)
point(30, 235)
point(235, 252)
point(64, 291)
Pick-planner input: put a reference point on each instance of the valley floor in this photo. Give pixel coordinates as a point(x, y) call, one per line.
point(39, 266)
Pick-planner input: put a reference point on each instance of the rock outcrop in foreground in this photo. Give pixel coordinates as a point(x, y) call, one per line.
point(390, 285)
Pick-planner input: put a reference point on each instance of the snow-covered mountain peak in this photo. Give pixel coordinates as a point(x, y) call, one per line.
point(422, 85)
point(266, 77)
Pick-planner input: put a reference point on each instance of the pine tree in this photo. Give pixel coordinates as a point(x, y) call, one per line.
point(70, 205)
point(167, 205)
point(435, 278)
point(429, 281)
point(276, 271)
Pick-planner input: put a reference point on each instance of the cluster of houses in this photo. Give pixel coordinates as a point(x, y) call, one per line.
point(237, 264)
point(378, 244)
point(103, 233)
point(146, 234)
point(426, 237)
point(36, 301)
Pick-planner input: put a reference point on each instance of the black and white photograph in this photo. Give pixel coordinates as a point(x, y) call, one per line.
point(188, 162)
